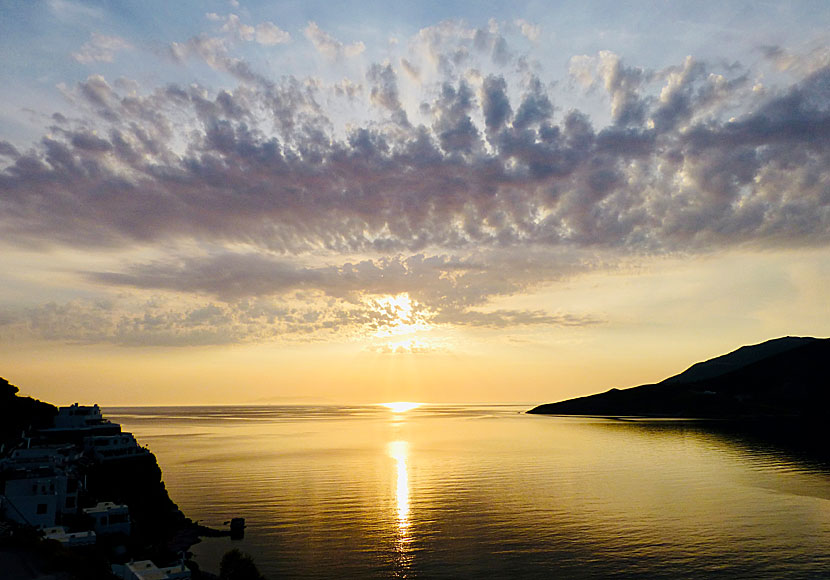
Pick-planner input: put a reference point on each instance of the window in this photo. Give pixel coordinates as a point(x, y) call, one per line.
point(42, 509)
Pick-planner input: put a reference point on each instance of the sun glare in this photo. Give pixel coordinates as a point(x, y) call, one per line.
point(401, 406)
point(402, 316)
point(400, 325)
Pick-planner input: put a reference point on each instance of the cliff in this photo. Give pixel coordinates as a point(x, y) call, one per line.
point(21, 413)
point(159, 530)
point(784, 377)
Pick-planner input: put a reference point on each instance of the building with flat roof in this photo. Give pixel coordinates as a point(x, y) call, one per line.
point(70, 539)
point(147, 570)
point(110, 518)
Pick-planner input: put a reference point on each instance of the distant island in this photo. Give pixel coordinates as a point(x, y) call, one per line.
point(786, 377)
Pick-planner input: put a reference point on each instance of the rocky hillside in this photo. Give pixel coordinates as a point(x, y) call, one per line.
point(784, 377)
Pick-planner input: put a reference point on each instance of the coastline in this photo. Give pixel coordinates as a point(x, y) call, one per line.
point(81, 498)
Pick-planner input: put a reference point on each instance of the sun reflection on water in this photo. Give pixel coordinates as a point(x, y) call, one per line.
point(399, 451)
point(401, 406)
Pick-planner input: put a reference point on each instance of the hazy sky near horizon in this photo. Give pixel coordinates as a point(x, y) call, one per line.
point(242, 202)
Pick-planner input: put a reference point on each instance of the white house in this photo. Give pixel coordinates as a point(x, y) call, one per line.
point(52, 462)
point(147, 570)
point(78, 417)
point(73, 423)
point(70, 539)
point(110, 518)
point(108, 447)
point(31, 497)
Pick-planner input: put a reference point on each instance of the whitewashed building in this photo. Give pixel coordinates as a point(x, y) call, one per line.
point(75, 422)
point(110, 518)
point(70, 539)
point(37, 495)
point(109, 447)
point(54, 462)
point(147, 570)
point(78, 417)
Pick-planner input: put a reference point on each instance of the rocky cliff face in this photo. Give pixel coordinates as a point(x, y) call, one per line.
point(137, 482)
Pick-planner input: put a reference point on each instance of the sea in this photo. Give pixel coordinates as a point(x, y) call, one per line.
point(488, 491)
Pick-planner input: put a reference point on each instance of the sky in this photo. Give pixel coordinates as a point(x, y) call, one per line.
point(245, 202)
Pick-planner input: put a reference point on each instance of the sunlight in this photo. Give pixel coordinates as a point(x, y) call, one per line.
point(402, 316)
point(400, 324)
point(401, 406)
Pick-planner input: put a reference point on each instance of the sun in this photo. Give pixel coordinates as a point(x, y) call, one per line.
point(401, 406)
point(400, 325)
point(401, 316)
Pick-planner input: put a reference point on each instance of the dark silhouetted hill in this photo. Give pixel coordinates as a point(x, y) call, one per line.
point(18, 414)
point(784, 377)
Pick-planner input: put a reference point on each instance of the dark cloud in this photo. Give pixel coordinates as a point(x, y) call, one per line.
point(384, 91)
point(453, 124)
point(535, 108)
point(495, 103)
point(8, 150)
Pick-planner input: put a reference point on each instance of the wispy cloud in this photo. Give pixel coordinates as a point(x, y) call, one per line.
point(100, 48)
point(330, 47)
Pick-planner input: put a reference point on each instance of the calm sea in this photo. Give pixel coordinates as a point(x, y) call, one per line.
point(483, 491)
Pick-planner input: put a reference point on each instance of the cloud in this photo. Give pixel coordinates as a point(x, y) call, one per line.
point(530, 31)
point(384, 91)
point(265, 33)
point(263, 165)
point(438, 281)
point(100, 48)
point(495, 103)
point(514, 318)
point(234, 27)
point(328, 46)
point(484, 187)
point(444, 290)
point(623, 84)
point(450, 49)
point(269, 34)
point(216, 51)
point(308, 315)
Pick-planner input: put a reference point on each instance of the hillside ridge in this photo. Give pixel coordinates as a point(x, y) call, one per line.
point(784, 377)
